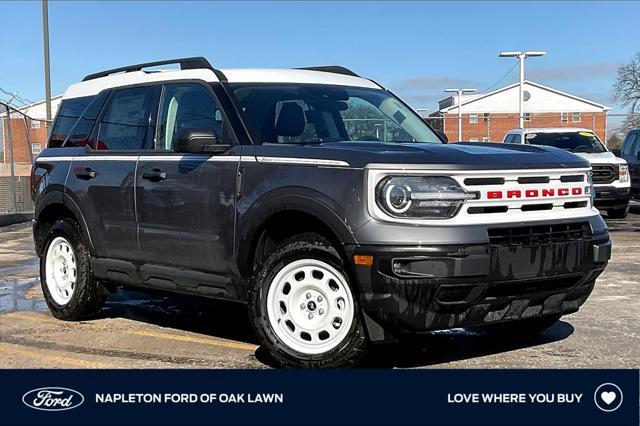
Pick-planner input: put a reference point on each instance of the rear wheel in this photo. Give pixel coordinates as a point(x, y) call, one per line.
point(70, 289)
point(303, 306)
point(618, 213)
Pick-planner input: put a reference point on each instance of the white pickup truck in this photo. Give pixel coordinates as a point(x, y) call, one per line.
point(610, 173)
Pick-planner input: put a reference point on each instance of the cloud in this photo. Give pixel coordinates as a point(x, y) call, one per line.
point(431, 83)
point(572, 72)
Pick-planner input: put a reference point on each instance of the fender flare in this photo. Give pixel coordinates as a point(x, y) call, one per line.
point(301, 200)
point(62, 198)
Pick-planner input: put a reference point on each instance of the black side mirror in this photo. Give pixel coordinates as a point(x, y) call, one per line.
point(442, 135)
point(615, 152)
point(198, 141)
point(638, 155)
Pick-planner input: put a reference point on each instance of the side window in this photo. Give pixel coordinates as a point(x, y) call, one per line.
point(70, 110)
point(187, 106)
point(125, 123)
point(516, 138)
point(508, 139)
point(630, 144)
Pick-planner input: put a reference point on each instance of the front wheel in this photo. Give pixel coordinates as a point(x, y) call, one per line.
point(303, 306)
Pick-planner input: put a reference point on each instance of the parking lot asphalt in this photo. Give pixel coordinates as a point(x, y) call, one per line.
point(142, 330)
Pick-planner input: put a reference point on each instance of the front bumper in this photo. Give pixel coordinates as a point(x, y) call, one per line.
point(611, 197)
point(413, 289)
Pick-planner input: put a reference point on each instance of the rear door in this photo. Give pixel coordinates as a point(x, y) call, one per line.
point(186, 202)
point(103, 179)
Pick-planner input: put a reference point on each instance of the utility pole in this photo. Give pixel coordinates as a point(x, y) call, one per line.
point(521, 57)
point(47, 72)
point(460, 92)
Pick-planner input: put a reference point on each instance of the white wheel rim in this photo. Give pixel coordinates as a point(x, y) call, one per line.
point(310, 306)
point(61, 270)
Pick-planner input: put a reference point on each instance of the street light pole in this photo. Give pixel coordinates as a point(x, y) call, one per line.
point(47, 76)
point(460, 92)
point(521, 57)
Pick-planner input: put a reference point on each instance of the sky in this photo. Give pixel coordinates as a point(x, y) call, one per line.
point(417, 49)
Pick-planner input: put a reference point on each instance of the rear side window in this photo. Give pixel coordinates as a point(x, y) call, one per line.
point(508, 139)
point(516, 138)
point(70, 110)
point(125, 122)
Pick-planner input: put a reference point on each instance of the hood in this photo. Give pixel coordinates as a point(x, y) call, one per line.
point(601, 158)
point(471, 155)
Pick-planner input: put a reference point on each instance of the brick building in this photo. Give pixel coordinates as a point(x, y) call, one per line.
point(28, 122)
point(487, 117)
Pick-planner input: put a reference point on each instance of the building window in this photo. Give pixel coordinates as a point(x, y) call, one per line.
point(35, 124)
point(473, 140)
point(36, 148)
point(564, 117)
point(473, 118)
point(576, 117)
point(527, 116)
point(485, 117)
point(485, 139)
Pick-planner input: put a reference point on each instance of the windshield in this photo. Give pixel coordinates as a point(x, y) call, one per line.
point(312, 113)
point(585, 142)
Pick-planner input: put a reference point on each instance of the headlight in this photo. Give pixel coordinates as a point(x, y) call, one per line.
point(421, 196)
point(623, 173)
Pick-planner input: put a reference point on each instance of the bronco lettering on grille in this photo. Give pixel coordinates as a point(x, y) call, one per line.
point(534, 193)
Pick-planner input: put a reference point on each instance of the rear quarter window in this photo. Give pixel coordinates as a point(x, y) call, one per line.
point(69, 112)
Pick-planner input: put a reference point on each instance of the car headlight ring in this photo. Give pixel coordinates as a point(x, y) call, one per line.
point(421, 197)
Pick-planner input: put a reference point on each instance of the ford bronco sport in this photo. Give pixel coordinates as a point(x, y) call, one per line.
point(316, 197)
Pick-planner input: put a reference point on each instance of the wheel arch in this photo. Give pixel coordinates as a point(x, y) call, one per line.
point(52, 207)
point(283, 216)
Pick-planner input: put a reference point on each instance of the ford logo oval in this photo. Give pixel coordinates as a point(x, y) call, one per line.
point(52, 399)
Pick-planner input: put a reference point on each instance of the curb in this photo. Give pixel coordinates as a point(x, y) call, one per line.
point(12, 218)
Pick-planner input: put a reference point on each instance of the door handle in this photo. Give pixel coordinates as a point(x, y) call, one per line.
point(84, 173)
point(154, 175)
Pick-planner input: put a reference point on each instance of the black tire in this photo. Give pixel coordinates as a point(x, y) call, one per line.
point(88, 295)
point(522, 328)
point(349, 352)
point(618, 213)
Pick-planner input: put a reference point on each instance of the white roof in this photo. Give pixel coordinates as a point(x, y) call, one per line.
point(505, 100)
point(238, 75)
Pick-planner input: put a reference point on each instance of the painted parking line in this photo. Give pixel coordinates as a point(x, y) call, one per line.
point(193, 339)
point(43, 318)
point(7, 349)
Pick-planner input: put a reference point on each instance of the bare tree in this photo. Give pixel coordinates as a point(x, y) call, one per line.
point(627, 86)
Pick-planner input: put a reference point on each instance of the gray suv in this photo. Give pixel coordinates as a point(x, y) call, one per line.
point(316, 197)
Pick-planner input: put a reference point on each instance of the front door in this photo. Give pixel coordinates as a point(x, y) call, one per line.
point(186, 202)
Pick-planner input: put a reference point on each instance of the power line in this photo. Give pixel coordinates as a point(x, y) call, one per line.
point(16, 97)
point(500, 79)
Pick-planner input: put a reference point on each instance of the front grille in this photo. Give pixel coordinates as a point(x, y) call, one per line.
point(539, 234)
point(604, 173)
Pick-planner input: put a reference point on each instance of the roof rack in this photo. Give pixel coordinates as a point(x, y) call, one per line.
point(335, 69)
point(197, 62)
